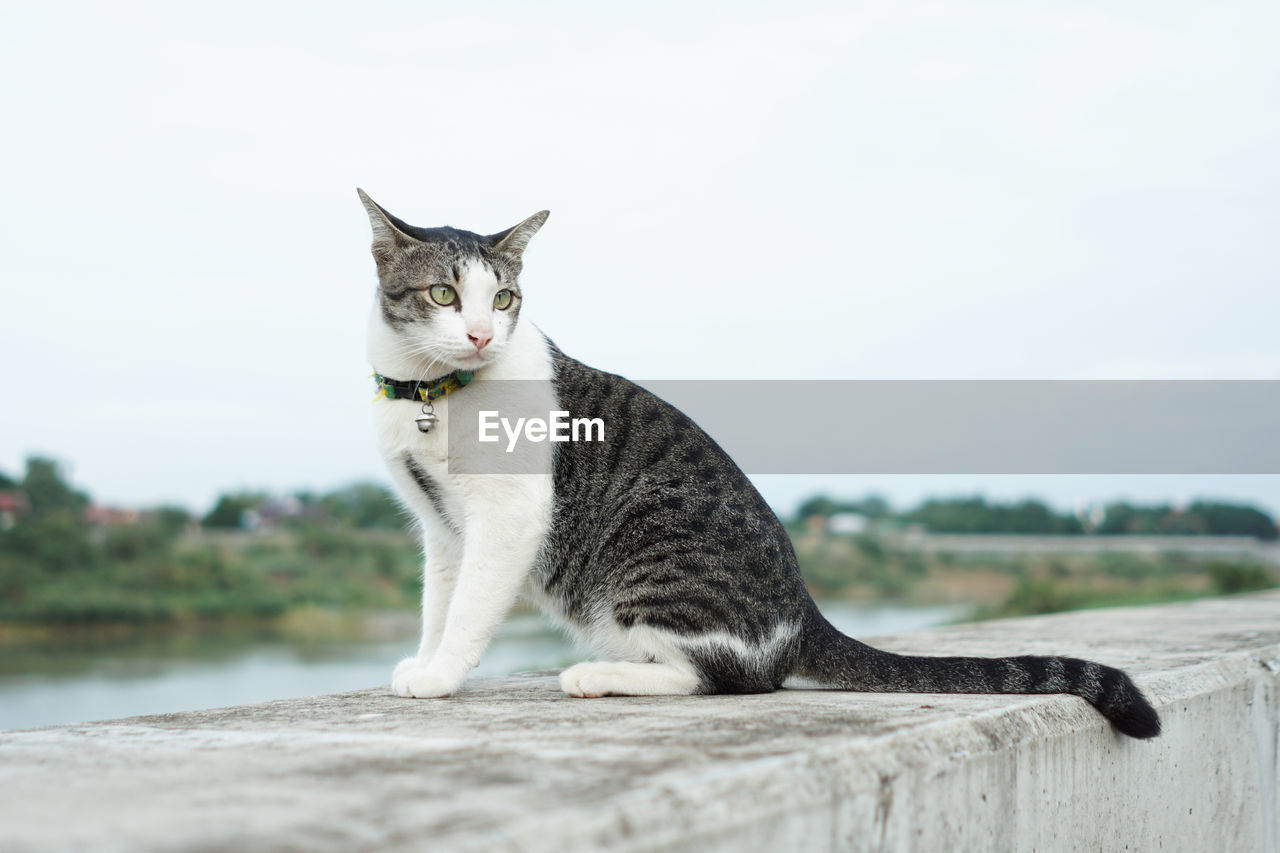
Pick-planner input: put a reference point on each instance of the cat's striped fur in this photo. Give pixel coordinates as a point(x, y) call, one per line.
point(651, 545)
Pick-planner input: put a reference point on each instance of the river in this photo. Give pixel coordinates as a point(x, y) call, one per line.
point(98, 680)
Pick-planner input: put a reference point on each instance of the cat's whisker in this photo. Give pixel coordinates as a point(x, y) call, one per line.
point(422, 355)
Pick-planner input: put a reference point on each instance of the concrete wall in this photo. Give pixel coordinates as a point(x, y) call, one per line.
point(511, 764)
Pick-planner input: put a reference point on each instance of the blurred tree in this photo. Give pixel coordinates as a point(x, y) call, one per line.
point(975, 515)
point(172, 520)
point(47, 491)
point(229, 511)
point(1202, 517)
point(1118, 518)
point(817, 505)
point(1026, 517)
point(1229, 519)
point(368, 505)
point(57, 543)
point(872, 506)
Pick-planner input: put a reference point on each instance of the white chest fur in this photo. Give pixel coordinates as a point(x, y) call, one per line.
point(463, 496)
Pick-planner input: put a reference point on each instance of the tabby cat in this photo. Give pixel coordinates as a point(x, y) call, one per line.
point(650, 545)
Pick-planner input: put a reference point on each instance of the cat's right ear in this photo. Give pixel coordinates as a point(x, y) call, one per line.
point(388, 239)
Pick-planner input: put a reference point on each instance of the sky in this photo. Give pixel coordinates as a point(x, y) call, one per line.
point(976, 190)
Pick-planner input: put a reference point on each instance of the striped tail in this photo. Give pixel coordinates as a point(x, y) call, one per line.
point(832, 659)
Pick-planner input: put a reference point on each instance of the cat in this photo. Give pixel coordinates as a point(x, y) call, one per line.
point(651, 546)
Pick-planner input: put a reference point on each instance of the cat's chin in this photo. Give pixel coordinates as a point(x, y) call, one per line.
point(471, 362)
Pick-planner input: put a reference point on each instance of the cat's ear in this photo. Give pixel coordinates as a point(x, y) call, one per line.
point(513, 240)
point(388, 239)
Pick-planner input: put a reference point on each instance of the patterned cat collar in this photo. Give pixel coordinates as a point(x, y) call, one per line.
point(425, 390)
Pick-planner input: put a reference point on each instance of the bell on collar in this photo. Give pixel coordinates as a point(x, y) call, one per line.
point(427, 419)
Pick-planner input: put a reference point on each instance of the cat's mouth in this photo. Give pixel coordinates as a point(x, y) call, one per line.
point(472, 361)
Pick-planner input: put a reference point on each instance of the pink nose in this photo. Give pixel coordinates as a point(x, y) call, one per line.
point(480, 339)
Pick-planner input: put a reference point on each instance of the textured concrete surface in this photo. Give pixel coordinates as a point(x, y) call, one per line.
point(512, 764)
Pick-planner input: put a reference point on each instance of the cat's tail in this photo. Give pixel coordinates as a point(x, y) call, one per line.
point(834, 660)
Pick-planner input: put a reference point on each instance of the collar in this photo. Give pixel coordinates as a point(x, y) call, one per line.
point(424, 390)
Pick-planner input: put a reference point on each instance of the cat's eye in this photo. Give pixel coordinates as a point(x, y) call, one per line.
point(443, 294)
point(502, 300)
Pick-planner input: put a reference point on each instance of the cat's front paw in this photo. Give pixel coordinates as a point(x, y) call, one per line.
point(415, 679)
point(583, 680)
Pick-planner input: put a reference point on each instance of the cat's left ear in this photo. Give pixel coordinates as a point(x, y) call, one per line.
point(513, 240)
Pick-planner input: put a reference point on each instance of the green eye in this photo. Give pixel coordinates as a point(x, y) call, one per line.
point(443, 293)
point(502, 299)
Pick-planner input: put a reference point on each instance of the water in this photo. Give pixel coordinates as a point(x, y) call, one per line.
point(68, 685)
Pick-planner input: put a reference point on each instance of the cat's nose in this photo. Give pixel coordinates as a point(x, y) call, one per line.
point(480, 339)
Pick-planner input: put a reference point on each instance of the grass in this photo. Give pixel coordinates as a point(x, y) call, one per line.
point(1014, 585)
point(57, 573)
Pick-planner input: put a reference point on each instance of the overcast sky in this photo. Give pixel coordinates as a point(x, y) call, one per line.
point(738, 190)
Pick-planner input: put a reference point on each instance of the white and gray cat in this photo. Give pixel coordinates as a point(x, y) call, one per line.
point(651, 546)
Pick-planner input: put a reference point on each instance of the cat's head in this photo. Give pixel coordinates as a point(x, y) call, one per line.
point(452, 297)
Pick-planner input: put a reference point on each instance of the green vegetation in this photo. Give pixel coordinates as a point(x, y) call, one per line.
point(820, 505)
point(228, 513)
point(1230, 578)
point(1201, 518)
point(62, 562)
point(66, 561)
point(1158, 581)
point(977, 515)
point(879, 563)
point(868, 567)
point(47, 492)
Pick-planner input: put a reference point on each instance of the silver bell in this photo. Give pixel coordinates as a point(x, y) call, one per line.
point(426, 420)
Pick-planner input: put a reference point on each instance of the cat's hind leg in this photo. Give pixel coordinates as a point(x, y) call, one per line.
point(624, 678)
